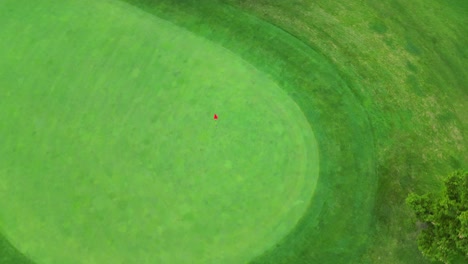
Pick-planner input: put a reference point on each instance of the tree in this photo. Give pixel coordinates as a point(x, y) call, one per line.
point(444, 218)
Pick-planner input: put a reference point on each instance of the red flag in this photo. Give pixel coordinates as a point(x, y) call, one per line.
point(215, 117)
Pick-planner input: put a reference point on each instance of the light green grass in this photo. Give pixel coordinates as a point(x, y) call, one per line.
point(382, 84)
point(395, 125)
point(110, 151)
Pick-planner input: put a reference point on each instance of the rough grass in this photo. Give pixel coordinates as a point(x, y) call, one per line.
point(384, 86)
point(404, 62)
point(410, 60)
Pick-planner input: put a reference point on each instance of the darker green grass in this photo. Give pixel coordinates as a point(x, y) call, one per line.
point(103, 149)
point(10, 255)
point(329, 103)
point(402, 132)
point(384, 86)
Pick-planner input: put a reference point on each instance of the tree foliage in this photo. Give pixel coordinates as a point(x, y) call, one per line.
point(445, 219)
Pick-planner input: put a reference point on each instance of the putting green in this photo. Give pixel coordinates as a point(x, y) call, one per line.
point(110, 153)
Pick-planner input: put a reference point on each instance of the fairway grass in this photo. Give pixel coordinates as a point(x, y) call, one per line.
point(110, 151)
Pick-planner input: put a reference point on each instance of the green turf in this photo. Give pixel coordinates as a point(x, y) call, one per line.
point(382, 84)
point(112, 155)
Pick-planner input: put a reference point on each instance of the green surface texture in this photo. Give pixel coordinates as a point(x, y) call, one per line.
point(330, 113)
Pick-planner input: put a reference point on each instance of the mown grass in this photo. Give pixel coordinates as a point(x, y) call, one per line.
point(9, 254)
point(404, 62)
point(410, 57)
point(331, 107)
point(114, 121)
point(384, 86)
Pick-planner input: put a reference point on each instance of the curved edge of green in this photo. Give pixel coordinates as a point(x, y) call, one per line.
point(313, 154)
point(349, 129)
point(271, 62)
